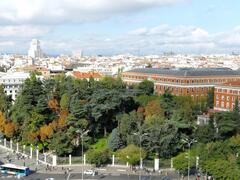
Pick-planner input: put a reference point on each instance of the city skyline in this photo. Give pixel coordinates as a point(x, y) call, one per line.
point(138, 27)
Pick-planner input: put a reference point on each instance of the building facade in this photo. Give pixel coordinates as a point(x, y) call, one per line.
point(35, 50)
point(12, 83)
point(182, 81)
point(226, 96)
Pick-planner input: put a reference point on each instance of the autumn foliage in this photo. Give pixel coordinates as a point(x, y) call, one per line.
point(8, 128)
point(53, 104)
point(153, 108)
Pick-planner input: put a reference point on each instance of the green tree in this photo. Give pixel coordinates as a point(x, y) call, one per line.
point(61, 143)
point(180, 162)
point(210, 98)
point(128, 124)
point(114, 141)
point(64, 103)
point(130, 154)
point(146, 87)
point(98, 157)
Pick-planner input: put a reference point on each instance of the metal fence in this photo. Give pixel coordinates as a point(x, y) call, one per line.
point(63, 160)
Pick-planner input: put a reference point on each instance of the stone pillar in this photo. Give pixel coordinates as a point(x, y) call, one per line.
point(156, 164)
point(31, 152)
point(197, 162)
point(171, 163)
point(113, 160)
point(127, 164)
point(70, 159)
point(37, 154)
point(11, 144)
point(84, 159)
point(5, 142)
point(17, 150)
point(45, 157)
point(54, 158)
point(24, 147)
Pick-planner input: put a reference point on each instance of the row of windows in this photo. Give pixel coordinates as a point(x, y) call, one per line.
point(189, 90)
point(11, 91)
point(195, 81)
point(13, 80)
point(228, 91)
point(221, 105)
point(12, 86)
point(222, 97)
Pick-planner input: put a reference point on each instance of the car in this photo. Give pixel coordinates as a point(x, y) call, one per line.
point(89, 172)
point(50, 179)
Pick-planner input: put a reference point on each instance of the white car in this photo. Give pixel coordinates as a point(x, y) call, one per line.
point(89, 172)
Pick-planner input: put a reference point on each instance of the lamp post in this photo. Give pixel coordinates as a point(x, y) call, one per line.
point(82, 133)
point(189, 142)
point(140, 152)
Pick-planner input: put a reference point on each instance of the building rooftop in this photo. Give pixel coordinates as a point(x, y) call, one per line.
point(16, 75)
point(188, 72)
point(82, 75)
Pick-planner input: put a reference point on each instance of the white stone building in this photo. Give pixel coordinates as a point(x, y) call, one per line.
point(12, 82)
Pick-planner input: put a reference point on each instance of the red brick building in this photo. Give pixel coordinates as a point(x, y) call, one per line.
point(182, 81)
point(225, 96)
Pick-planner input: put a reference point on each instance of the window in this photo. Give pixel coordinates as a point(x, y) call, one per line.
point(228, 98)
point(222, 104)
point(233, 98)
point(223, 98)
point(216, 97)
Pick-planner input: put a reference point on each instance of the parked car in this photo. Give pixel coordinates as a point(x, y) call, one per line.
point(89, 172)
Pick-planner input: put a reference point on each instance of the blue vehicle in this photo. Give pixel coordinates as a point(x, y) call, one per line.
point(14, 170)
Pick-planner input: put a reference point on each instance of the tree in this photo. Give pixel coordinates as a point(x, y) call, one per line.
point(153, 108)
point(210, 98)
point(61, 143)
point(146, 86)
point(128, 124)
point(114, 141)
point(64, 103)
point(98, 157)
point(227, 124)
point(180, 162)
point(163, 137)
point(130, 154)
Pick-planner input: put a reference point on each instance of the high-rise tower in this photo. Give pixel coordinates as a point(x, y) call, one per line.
point(35, 50)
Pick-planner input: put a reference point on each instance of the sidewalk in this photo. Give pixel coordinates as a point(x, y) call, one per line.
point(108, 169)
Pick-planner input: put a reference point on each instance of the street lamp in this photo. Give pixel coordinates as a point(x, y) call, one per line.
point(140, 153)
point(189, 142)
point(82, 133)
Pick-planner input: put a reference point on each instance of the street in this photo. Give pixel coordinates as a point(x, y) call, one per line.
point(77, 176)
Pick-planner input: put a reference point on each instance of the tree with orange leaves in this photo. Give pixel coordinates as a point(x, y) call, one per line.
point(154, 108)
point(45, 132)
point(10, 129)
point(53, 104)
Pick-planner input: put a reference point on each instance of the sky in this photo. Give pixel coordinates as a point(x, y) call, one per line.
point(112, 27)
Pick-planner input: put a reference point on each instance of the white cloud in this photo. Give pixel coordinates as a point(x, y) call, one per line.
point(7, 43)
point(24, 31)
point(60, 11)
